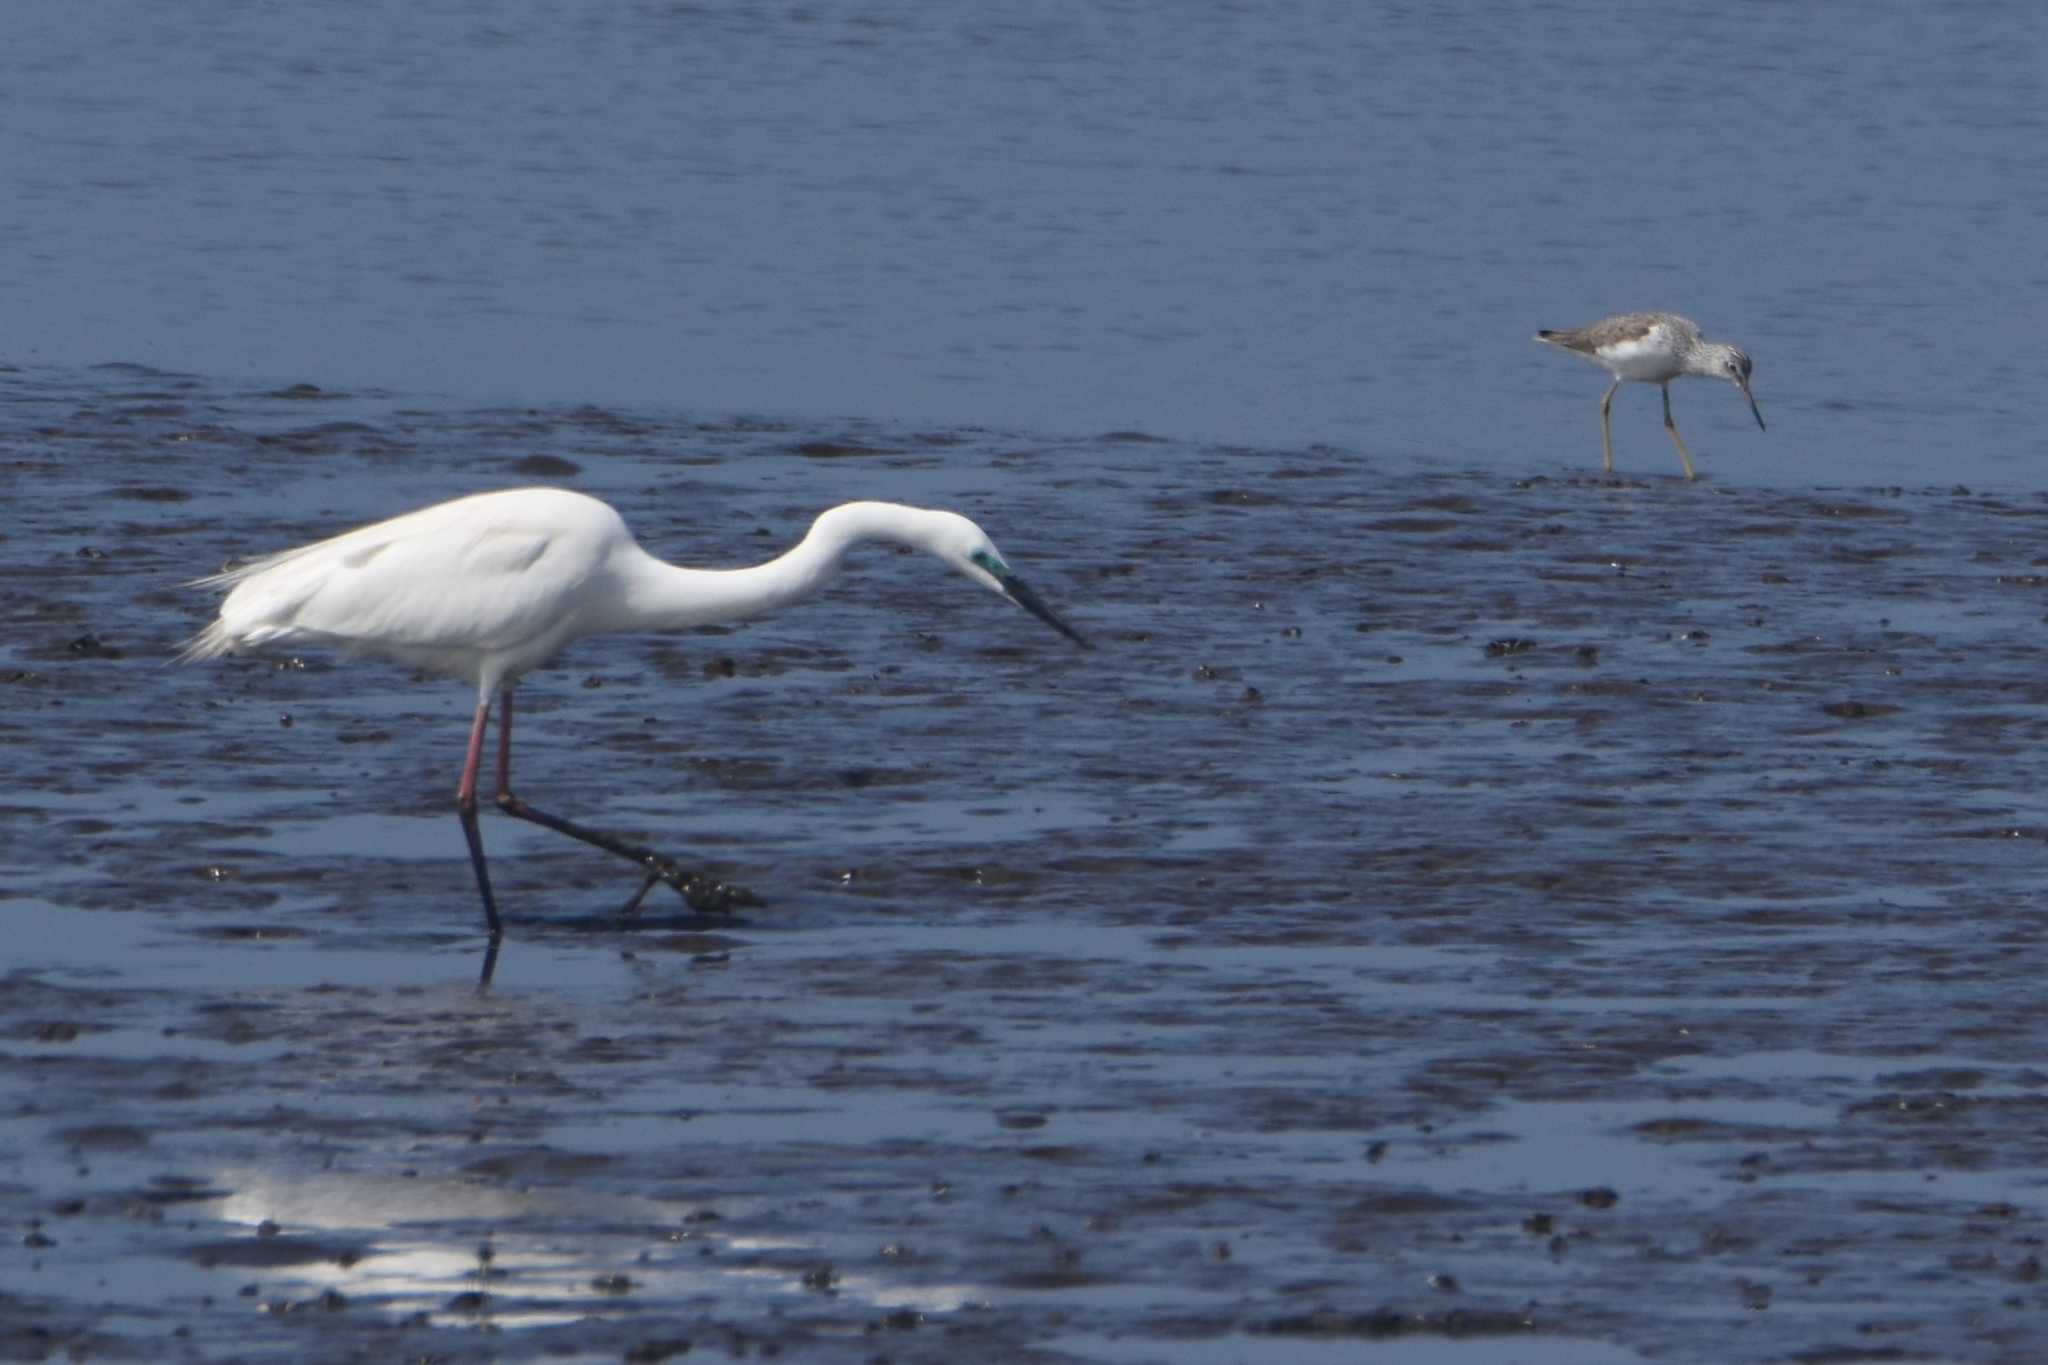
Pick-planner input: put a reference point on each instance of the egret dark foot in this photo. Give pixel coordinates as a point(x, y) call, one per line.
point(709, 896)
point(706, 895)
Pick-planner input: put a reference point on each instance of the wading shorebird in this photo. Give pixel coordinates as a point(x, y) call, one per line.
point(486, 587)
point(1654, 348)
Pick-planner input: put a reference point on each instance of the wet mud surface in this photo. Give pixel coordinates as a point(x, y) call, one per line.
point(1450, 917)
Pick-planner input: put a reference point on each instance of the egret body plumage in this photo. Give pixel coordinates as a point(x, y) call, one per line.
point(486, 587)
point(1654, 348)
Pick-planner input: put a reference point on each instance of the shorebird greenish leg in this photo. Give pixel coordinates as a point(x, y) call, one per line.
point(1684, 457)
point(1607, 436)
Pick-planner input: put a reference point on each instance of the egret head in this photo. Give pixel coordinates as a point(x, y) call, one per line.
point(967, 548)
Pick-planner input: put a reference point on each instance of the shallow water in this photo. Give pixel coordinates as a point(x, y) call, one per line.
point(1268, 224)
point(1451, 916)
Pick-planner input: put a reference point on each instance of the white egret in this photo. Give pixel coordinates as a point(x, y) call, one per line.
point(484, 588)
point(1654, 348)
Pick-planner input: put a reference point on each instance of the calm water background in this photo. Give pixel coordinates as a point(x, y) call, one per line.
point(1563, 920)
point(1279, 223)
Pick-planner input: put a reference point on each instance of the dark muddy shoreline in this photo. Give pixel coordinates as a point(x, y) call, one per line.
point(1451, 917)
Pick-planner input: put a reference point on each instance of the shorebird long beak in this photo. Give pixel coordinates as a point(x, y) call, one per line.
point(1743, 384)
point(1019, 592)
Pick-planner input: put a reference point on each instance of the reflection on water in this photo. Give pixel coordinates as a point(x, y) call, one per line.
point(452, 1250)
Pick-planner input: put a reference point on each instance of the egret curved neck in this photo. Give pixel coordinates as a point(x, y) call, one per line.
point(664, 596)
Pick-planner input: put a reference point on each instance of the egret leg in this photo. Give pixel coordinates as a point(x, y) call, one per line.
point(1684, 458)
point(1606, 436)
point(465, 806)
point(702, 892)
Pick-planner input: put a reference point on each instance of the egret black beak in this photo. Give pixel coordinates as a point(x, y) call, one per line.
point(1017, 591)
point(1742, 382)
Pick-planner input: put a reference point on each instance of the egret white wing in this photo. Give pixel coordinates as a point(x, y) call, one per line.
point(493, 574)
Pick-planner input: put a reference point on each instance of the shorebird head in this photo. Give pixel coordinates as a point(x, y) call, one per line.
point(1732, 364)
